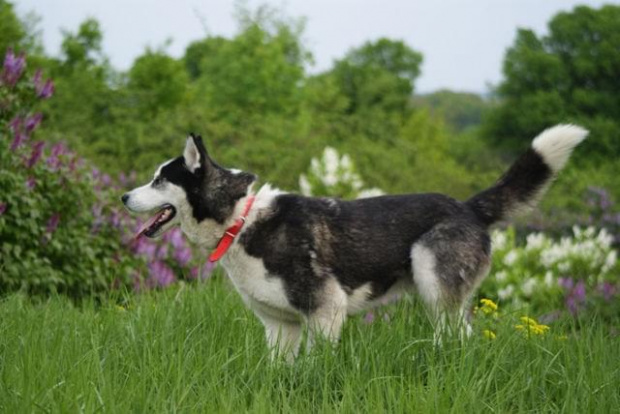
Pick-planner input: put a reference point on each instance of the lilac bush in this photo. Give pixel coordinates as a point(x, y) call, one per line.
point(61, 224)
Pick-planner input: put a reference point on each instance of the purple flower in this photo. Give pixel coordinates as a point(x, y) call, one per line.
point(32, 122)
point(369, 318)
point(116, 219)
point(31, 182)
point(37, 151)
point(3, 207)
point(73, 163)
point(607, 290)
point(13, 68)
point(580, 291)
point(106, 180)
point(202, 272)
point(160, 275)
point(207, 270)
point(15, 124)
point(183, 255)
point(565, 282)
point(145, 248)
point(37, 78)
point(175, 236)
point(162, 252)
point(576, 296)
point(18, 140)
point(46, 90)
point(52, 223)
point(57, 150)
point(19, 137)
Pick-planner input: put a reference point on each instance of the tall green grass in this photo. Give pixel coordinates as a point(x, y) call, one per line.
point(197, 349)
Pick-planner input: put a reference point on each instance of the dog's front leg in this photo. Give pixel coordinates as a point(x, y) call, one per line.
point(327, 320)
point(283, 337)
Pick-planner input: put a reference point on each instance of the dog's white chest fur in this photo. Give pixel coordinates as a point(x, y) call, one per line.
point(263, 293)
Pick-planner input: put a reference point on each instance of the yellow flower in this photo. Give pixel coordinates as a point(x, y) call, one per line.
point(531, 326)
point(488, 306)
point(489, 334)
point(528, 321)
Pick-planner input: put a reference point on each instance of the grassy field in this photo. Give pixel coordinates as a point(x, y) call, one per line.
point(197, 349)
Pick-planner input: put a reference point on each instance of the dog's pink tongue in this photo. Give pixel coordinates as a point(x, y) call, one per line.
point(147, 225)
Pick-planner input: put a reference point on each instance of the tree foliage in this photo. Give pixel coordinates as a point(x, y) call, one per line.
point(569, 75)
point(378, 76)
point(13, 33)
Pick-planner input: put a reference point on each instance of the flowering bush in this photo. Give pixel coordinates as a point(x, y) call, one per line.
point(334, 176)
point(546, 274)
point(61, 225)
point(488, 316)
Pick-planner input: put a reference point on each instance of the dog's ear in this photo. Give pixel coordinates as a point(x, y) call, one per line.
point(195, 153)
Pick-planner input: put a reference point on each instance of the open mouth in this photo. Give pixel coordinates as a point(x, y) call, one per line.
point(153, 225)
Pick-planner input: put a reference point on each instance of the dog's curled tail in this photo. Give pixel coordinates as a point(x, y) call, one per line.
point(527, 180)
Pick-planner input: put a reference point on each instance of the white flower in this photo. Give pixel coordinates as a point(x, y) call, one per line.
point(330, 178)
point(528, 286)
point(511, 258)
point(549, 279)
point(357, 184)
point(330, 159)
point(304, 186)
point(370, 192)
point(604, 238)
point(610, 260)
point(535, 241)
point(315, 167)
point(506, 292)
point(501, 276)
point(498, 240)
point(345, 162)
point(589, 232)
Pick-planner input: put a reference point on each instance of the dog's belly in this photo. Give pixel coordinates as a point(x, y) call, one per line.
point(361, 298)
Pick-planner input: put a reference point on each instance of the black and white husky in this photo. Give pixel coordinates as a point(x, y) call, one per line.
point(299, 260)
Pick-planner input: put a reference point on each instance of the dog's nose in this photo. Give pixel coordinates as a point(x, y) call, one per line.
point(124, 198)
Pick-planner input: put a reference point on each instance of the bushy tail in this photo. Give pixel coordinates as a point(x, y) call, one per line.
point(527, 180)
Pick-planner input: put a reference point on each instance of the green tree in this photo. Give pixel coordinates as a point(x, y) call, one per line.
point(260, 71)
point(570, 75)
point(87, 97)
point(12, 31)
point(158, 81)
point(378, 76)
point(199, 51)
point(460, 110)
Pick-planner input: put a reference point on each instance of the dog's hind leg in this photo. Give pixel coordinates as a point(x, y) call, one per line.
point(448, 264)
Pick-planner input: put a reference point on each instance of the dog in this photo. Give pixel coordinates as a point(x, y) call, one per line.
point(299, 260)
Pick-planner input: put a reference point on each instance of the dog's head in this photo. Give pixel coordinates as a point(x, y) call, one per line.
point(191, 190)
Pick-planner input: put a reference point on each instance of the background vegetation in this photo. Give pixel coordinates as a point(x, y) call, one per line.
point(75, 132)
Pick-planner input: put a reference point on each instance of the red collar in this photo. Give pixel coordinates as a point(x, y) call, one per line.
point(231, 233)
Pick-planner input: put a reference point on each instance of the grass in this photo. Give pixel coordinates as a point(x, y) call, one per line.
point(197, 349)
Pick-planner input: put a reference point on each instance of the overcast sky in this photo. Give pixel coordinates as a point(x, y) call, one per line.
point(463, 41)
